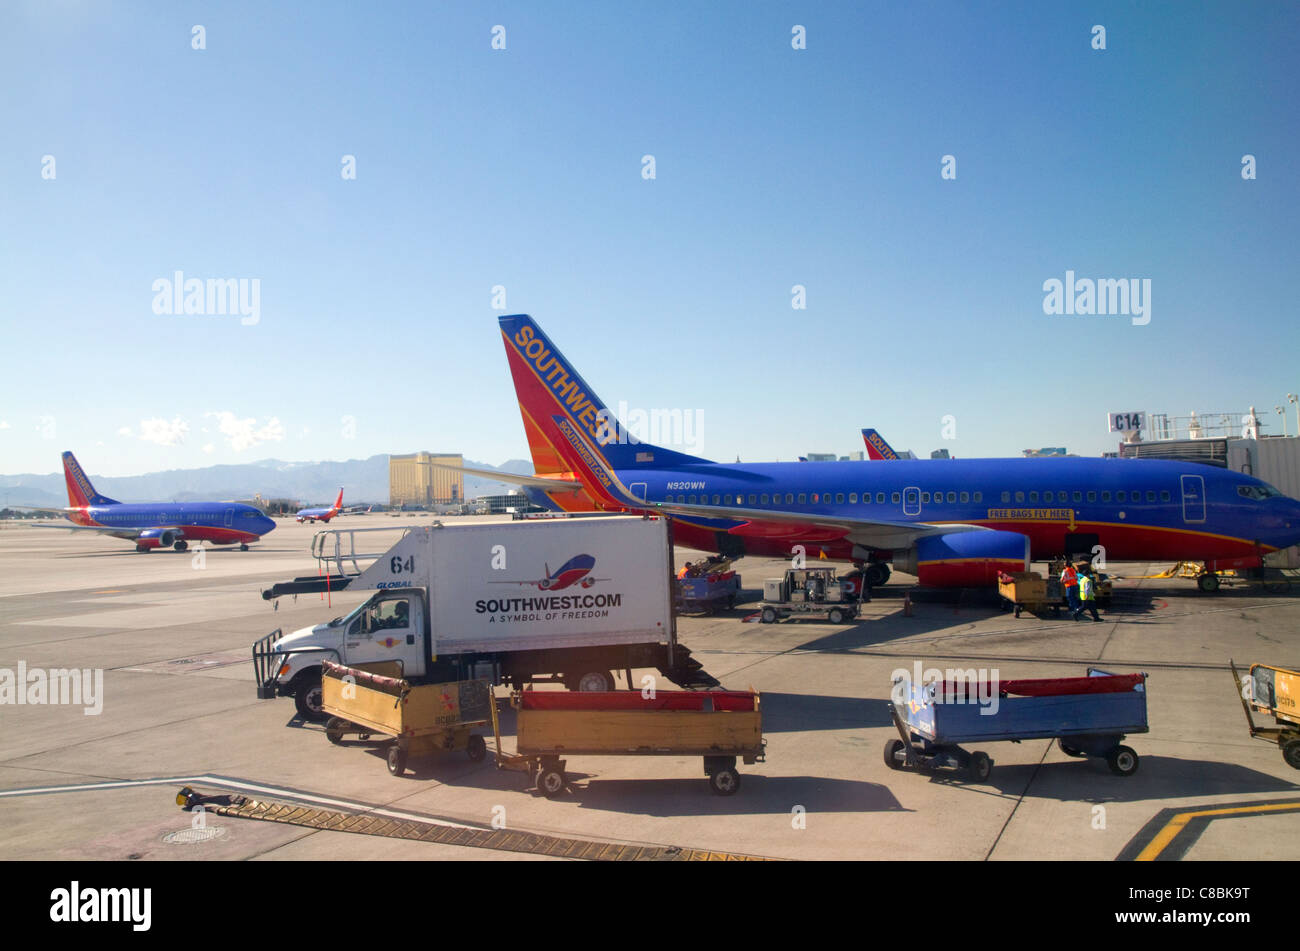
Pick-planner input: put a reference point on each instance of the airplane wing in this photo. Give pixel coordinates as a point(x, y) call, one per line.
point(129, 534)
point(550, 485)
point(774, 523)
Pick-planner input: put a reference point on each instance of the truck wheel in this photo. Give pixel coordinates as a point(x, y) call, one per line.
point(550, 781)
point(396, 760)
point(769, 615)
point(1291, 753)
point(476, 748)
point(724, 781)
point(1122, 761)
point(836, 616)
point(307, 697)
point(981, 767)
point(334, 730)
point(592, 681)
point(892, 750)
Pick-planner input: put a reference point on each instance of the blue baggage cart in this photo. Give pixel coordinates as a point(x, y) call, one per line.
point(1085, 715)
point(708, 587)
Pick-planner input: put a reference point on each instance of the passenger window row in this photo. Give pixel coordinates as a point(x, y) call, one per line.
point(1062, 496)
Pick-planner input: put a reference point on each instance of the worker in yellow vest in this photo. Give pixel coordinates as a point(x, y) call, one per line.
point(1087, 594)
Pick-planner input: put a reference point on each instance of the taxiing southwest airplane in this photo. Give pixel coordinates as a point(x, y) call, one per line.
point(323, 514)
point(158, 524)
point(951, 522)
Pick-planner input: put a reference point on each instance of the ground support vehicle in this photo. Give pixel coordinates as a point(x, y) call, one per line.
point(1087, 716)
point(1274, 580)
point(808, 591)
point(569, 601)
point(707, 586)
point(721, 726)
point(420, 719)
point(1274, 691)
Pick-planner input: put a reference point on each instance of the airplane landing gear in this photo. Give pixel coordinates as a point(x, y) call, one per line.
point(875, 574)
point(180, 546)
point(243, 546)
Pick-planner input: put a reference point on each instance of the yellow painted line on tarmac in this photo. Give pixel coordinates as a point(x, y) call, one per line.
point(1179, 822)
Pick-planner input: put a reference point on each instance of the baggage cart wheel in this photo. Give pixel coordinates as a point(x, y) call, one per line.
point(769, 615)
point(836, 616)
point(476, 747)
point(334, 730)
point(1122, 761)
point(893, 751)
point(981, 767)
point(1069, 750)
point(1291, 753)
point(724, 781)
point(1208, 582)
point(550, 781)
point(396, 760)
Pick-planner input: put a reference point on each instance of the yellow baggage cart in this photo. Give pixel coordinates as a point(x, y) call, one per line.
point(1274, 691)
point(420, 719)
point(719, 725)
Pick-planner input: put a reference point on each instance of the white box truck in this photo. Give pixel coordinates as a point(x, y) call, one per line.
point(518, 602)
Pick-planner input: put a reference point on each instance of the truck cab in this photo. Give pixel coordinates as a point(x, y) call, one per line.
point(386, 634)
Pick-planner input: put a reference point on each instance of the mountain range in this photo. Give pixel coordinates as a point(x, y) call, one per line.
point(363, 481)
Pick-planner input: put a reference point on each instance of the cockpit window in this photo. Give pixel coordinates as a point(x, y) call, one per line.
point(1258, 490)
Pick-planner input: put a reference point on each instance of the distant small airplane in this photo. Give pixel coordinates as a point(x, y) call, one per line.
point(157, 524)
point(573, 571)
point(321, 514)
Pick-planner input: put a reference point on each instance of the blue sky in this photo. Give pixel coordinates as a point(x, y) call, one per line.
point(522, 168)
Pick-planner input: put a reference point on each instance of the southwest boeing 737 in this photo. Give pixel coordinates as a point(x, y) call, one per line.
point(311, 515)
point(953, 522)
point(158, 524)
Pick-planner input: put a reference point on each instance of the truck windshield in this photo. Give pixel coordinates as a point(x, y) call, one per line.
point(350, 616)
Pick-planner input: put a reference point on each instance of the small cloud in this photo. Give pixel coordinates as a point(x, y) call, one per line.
point(245, 433)
point(4, 424)
point(124, 431)
point(209, 448)
point(163, 432)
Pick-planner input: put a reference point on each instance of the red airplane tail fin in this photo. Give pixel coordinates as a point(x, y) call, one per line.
point(80, 492)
